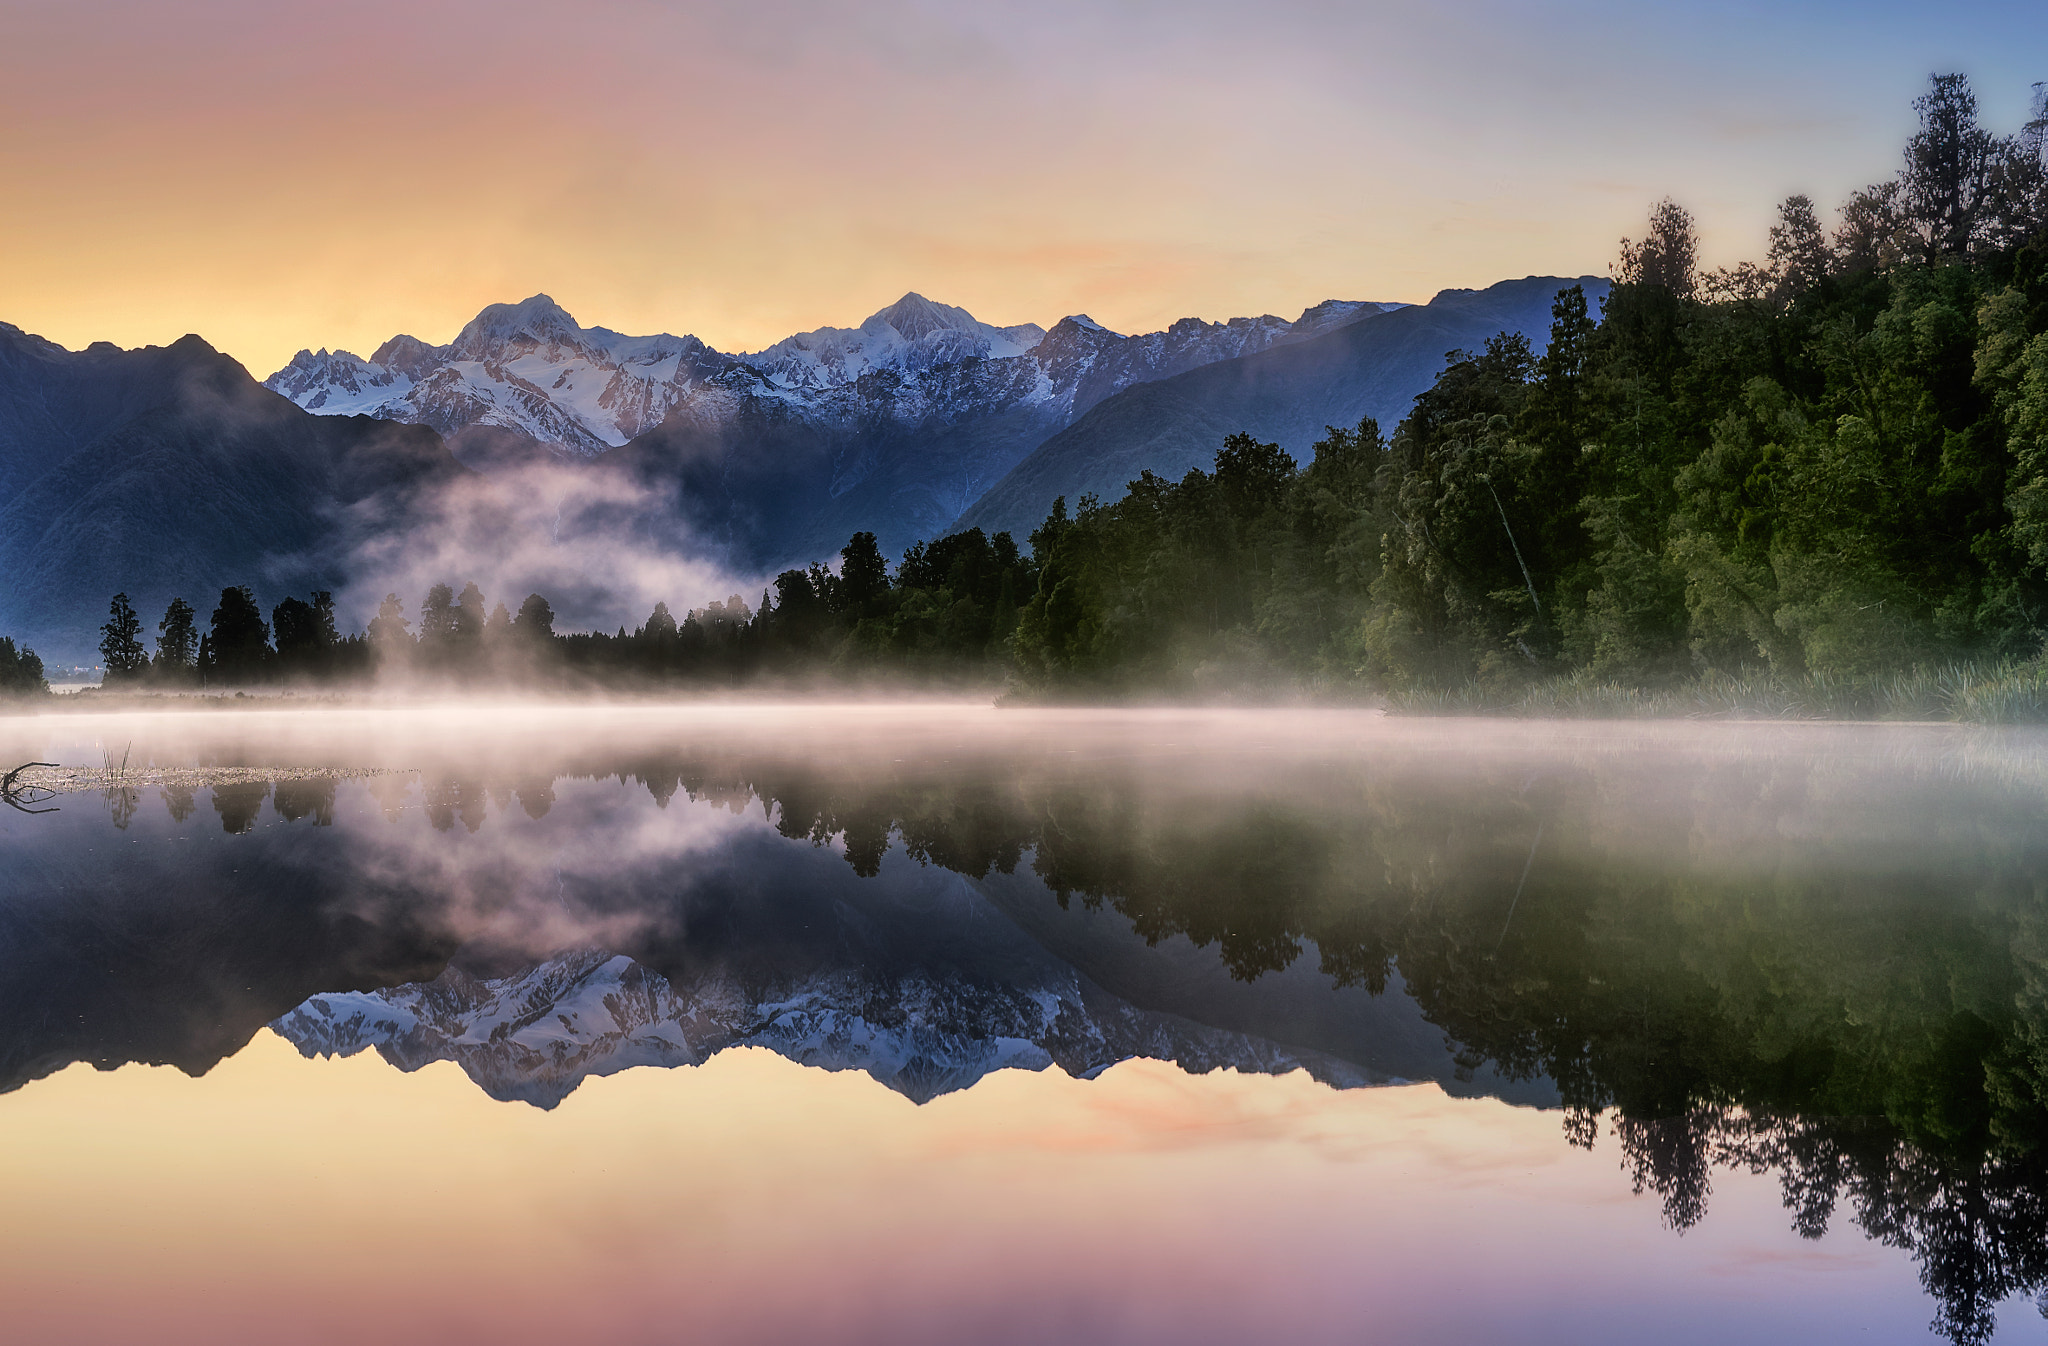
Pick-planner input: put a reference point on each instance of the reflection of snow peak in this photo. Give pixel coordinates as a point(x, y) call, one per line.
point(531, 368)
point(536, 1035)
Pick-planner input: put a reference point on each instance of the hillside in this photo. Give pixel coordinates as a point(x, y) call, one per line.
point(1375, 366)
point(169, 472)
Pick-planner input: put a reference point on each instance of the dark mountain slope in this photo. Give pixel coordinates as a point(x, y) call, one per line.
point(169, 472)
point(53, 400)
point(1373, 367)
point(765, 483)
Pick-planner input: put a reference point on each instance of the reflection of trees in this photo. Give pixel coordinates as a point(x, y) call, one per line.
point(296, 799)
point(178, 801)
point(1855, 999)
point(121, 801)
point(1746, 965)
point(449, 798)
point(239, 804)
point(1977, 1224)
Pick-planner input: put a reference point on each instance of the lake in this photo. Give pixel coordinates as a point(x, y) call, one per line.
point(938, 1023)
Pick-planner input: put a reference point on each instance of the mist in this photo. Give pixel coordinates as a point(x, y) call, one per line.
point(600, 548)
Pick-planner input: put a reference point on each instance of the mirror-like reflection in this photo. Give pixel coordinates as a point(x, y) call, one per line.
point(1814, 953)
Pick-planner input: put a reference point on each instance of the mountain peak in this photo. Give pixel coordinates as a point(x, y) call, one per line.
point(914, 317)
point(537, 318)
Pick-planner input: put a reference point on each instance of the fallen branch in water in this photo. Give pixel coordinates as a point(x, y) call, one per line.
point(21, 796)
point(65, 780)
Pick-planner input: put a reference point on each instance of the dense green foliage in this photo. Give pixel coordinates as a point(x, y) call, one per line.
point(1832, 466)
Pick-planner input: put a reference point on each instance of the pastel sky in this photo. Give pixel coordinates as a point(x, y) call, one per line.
point(277, 175)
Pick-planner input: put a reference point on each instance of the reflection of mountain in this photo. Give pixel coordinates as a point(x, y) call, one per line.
point(275, 898)
point(177, 954)
point(535, 1035)
point(1823, 952)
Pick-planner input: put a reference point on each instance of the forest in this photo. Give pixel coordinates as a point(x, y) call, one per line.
point(1812, 484)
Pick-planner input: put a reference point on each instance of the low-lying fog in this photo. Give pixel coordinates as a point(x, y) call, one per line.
point(1233, 746)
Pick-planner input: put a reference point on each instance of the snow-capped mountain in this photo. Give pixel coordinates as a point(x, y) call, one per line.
point(537, 1034)
point(531, 369)
point(910, 336)
point(526, 367)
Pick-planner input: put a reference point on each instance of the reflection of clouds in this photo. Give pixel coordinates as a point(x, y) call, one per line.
point(471, 855)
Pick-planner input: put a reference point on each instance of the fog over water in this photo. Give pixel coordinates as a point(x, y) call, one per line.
point(1788, 982)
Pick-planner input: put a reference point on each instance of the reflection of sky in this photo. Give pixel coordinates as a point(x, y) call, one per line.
point(277, 176)
point(753, 1200)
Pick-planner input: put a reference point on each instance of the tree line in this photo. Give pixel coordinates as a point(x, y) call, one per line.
point(1825, 469)
point(1832, 465)
point(949, 610)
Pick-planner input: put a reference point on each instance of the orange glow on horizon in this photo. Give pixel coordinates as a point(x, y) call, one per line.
point(278, 177)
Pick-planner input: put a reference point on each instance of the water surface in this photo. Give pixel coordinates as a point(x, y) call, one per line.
point(768, 1023)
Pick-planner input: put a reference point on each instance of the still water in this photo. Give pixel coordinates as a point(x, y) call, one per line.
point(941, 1023)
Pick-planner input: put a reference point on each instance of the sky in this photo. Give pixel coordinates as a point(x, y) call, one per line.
point(275, 175)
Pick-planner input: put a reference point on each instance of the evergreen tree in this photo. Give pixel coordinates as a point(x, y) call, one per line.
point(121, 651)
point(306, 638)
point(437, 627)
point(535, 624)
point(1801, 256)
point(21, 672)
point(240, 639)
point(177, 643)
point(1952, 166)
point(466, 626)
point(323, 617)
point(863, 578)
point(1668, 256)
point(390, 634)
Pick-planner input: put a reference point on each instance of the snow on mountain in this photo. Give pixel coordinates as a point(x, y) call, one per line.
point(537, 1034)
point(1332, 314)
point(527, 367)
point(533, 369)
point(910, 336)
point(336, 383)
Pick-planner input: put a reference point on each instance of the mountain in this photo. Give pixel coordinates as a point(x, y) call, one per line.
point(528, 368)
point(1374, 365)
point(536, 1034)
point(895, 426)
point(169, 472)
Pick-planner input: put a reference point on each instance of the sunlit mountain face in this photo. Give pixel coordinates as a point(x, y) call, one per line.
point(1706, 954)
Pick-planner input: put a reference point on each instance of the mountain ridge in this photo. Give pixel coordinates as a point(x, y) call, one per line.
point(168, 471)
point(1373, 365)
point(532, 369)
